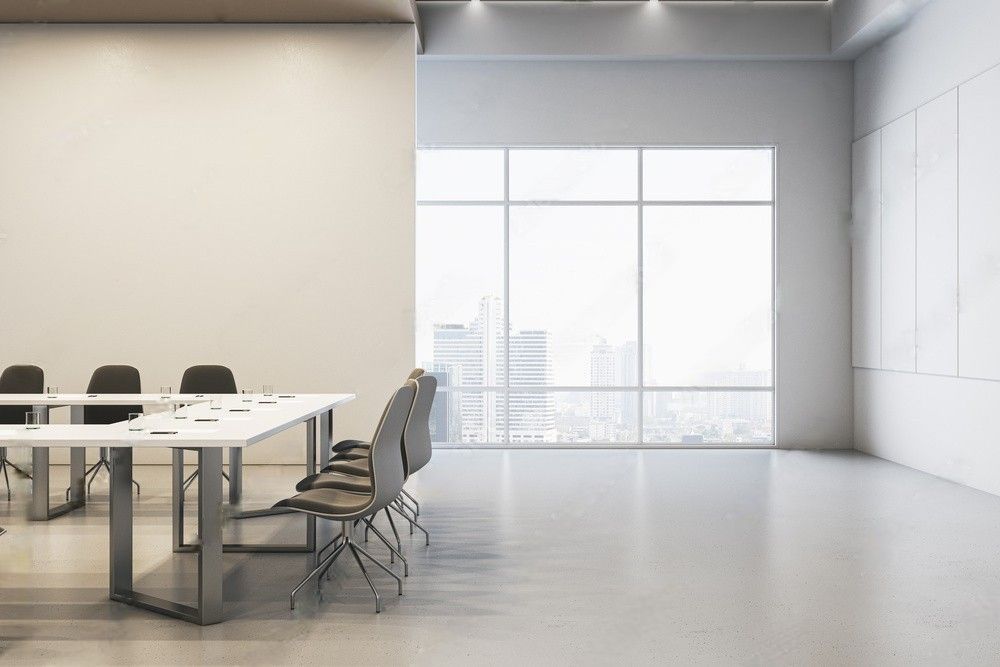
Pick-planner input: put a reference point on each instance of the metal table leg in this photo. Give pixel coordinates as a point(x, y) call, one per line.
point(177, 491)
point(177, 497)
point(235, 475)
point(40, 509)
point(40, 484)
point(210, 531)
point(209, 547)
point(319, 431)
point(77, 462)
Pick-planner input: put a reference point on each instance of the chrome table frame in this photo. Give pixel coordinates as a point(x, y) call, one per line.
point(39, 509)
point(209, 547)
point(317, 429)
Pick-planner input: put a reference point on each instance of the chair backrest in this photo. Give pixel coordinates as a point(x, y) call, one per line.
point(417, 433)
point(22, 379)
point(415, 373)
point(385, 457)
point(208, 379)
point(112, 380)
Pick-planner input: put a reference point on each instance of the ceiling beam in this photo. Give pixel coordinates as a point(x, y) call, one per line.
point(208, 11)
point(642, 30)
point(857, 25)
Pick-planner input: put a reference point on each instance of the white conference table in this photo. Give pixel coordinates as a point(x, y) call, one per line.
point(42, 403)
point(235, 424)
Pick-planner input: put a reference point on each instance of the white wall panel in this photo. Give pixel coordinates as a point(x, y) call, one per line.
point(899, 230)
point(979, 227)
point(935, 423)
point(937, 236)
point(866, 252)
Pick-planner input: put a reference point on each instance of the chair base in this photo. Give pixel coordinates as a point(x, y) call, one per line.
point(6, 479)
point(95, 470)
point(7, 463)
point(401, 509)
point(346, 543)
point(193, 476)
point(416, 505)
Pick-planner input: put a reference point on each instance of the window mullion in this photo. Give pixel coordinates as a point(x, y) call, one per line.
point(506, 294)
point(640, 361)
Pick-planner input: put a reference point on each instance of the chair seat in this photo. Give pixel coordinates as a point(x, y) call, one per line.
point(350, 455)
point(333, 503)
point(335, 480)
point(358, 468)
point(347, 445)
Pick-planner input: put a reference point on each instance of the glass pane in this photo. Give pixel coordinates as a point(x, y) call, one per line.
point(459, 175)
point(705, 418)
point(706, 175)
point(707, 292)
point(581, 175)
point(573, 295)
point(459, 292)
point(475, 417)
point(604, 417)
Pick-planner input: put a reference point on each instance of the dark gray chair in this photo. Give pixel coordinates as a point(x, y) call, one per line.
point(350, 449)
point(21, 379)
point(207, 379)
point(416, 450)
point(385, 477)
point(115, 379)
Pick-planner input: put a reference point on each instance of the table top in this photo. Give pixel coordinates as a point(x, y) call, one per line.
point(237, 422)
point(56, 400)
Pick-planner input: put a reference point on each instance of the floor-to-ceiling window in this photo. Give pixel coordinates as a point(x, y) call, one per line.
point(613, 295)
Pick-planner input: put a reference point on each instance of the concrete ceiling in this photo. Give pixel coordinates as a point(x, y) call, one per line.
point(208, 11)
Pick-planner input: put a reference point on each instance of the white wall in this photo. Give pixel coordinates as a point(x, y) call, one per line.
point(243, 195)
point(946, 44)
point(930, 96)
point(803, 108)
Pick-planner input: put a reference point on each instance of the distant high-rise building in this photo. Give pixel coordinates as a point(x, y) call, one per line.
point(532, 414)
point(472, 352)
point(604, 407)
point(476, 351)
point(445, 419)
point(614, 415)
point(628, 376)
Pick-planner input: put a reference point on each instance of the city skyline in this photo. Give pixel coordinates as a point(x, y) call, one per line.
point(471, 355)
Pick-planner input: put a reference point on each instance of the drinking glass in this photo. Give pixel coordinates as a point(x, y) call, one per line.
point(248, 395)
point(52, 391)
point(268, 390)
point(180, 411)
point(33, 419)
point(134, 421)
point(165, 392)
point(215, 404)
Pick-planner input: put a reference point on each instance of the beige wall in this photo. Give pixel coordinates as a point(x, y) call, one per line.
point(174, 195)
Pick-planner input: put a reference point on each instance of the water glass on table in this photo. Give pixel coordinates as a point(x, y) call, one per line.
point(32, 420)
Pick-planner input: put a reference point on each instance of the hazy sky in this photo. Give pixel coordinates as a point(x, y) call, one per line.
point(574, 269)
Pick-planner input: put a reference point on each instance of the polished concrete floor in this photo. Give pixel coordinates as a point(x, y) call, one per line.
point(557, 557)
